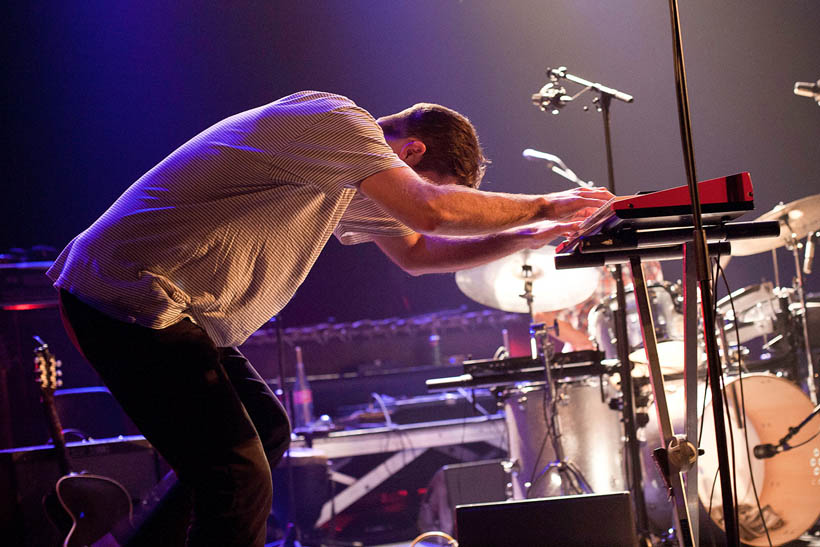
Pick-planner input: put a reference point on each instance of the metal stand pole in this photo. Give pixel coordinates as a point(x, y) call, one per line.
point(690, 379)
point(633, 448)
point(704, 283)
point(811, 379)
point(568, 472)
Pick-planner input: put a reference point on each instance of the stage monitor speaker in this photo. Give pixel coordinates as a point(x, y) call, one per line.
point(461, 484)
point(593, 520)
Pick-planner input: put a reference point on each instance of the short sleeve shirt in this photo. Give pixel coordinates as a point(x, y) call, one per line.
point(225, 229)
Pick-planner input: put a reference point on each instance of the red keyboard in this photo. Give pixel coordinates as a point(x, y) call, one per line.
point(721, 199)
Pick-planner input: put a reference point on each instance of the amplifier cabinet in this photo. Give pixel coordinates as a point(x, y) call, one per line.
point(27, 474)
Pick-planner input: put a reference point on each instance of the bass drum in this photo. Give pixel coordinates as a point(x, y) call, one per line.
point(788, 484)
point(592, 437)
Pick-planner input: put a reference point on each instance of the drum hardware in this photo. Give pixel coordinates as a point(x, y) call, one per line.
point(811, 380)
point(797, 220)
point(567, 471)
point(762, 451)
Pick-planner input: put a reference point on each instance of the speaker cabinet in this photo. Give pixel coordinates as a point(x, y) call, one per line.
point(27, 474)
point(594, 520)
point(461, 484)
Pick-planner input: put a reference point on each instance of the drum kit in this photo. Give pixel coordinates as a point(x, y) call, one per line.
point(567, 436)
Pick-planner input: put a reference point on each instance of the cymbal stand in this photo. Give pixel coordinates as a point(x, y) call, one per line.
point(569, 473)
point(526, 273)
point(811, 379)
point(776, 268)
point(540, 344)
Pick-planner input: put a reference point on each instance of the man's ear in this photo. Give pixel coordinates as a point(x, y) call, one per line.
point(412, 152)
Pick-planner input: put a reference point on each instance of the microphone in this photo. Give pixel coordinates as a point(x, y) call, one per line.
point(556, 165)
point(763, 451)
point(808, 89)
point(808, 254)
point(535, 155)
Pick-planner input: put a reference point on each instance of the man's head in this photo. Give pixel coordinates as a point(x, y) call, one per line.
point(438, 141)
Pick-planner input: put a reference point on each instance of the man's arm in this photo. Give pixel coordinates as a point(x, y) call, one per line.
point(419, 254)
point(458, 210)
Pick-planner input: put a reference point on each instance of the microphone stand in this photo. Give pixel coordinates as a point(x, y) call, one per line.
point(627, 386)
point(782, 445)
point(704, 283)
point(552, 97)
point(290, 531)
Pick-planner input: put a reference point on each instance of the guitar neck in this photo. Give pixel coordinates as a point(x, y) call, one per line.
point(56, 430)
point(47, 368)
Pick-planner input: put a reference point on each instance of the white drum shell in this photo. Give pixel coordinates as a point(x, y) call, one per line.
point(592, 437)
point(788, 484)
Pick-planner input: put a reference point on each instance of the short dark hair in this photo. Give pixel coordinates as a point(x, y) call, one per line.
point(451, 141)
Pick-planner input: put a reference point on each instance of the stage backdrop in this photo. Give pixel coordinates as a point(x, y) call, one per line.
point(99, 92)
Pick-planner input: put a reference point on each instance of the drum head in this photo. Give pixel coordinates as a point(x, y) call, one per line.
point(788, 484)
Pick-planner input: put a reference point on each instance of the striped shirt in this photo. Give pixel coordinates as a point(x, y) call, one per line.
point(225, 229)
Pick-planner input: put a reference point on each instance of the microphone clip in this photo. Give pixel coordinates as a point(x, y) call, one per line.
point(551, 97)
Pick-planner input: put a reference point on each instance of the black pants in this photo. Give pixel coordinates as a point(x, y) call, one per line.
point(205, 409)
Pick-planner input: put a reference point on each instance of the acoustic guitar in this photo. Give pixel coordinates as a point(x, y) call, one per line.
point(82, 506)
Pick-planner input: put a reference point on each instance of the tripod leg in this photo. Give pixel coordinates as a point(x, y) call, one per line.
point(656, 378)
point(690, 377)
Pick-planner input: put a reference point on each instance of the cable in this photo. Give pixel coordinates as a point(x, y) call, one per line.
point(450, 540)
point(728, 414)
point(807, 441)
point(722, 274)
point(383, 407)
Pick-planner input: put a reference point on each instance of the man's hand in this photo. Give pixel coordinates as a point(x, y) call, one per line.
point(541, 233)
point(577, 203)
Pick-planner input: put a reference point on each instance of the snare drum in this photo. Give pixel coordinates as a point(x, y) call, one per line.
point(788, 484)
point(665, 303)
point(592, 437)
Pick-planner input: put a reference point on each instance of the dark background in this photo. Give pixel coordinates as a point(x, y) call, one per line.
point(99, 92)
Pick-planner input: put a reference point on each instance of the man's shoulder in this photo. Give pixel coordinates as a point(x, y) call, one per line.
point(314, 100)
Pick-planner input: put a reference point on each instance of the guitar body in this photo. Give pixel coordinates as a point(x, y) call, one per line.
point(83, 507)
point(94, 504)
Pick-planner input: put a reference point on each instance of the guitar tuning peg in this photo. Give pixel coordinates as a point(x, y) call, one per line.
point(58, 364)
point(58, 372)
point(59, 383)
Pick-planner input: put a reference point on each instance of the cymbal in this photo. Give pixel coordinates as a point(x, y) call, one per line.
point(800, 217)
point(500, 283)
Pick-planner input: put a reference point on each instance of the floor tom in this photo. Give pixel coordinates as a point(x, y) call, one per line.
point(592, 437)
